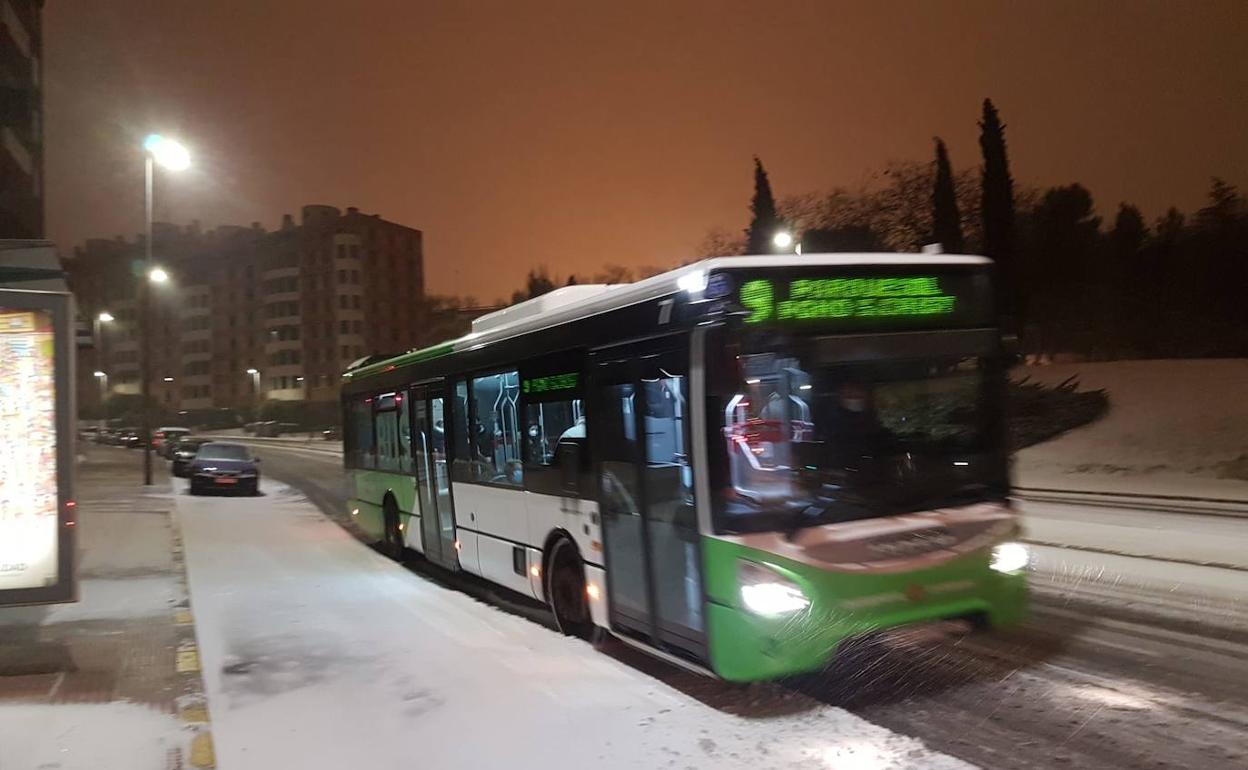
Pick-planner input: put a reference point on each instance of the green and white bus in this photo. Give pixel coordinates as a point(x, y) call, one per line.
point(736, 465)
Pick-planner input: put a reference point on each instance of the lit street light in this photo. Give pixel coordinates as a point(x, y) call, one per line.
point(174, 157)
point(103, 378)
point(103, 317)
point(168, 379)
point(255, 391)
point(168, 153)
point(782, 240)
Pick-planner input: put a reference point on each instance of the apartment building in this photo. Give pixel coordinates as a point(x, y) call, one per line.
point(250, 315)
point(21, 119)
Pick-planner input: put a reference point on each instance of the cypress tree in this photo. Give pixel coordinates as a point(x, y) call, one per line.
point(764, 222)
point(946, 220)
point(997, 209)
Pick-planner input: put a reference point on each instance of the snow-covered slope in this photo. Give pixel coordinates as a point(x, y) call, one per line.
point(1173, 427)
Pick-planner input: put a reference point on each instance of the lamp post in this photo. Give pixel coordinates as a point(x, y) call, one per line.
point(174, 157)
point(101, 355)
point(255, 393)
point(102, 377)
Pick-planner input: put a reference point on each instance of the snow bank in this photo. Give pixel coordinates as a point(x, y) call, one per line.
point(95, 736)
point(1173, 427)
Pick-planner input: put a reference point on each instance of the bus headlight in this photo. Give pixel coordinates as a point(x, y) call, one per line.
point(768, 593)
point(1010, 557)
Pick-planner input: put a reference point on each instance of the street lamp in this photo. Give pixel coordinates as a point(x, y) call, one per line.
point(255, 392)
point(103, 378)
point(174, 157)
point(782, 240)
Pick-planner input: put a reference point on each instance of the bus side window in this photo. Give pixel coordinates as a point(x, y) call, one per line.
point(362, 433)
point(494, 446)
point(460, 446)
point(554, 447)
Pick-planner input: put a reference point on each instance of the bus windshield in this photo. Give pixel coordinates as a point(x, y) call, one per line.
point(810, 442)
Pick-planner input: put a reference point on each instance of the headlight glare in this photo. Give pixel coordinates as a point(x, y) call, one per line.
point(768, 593)
point(1010, 557)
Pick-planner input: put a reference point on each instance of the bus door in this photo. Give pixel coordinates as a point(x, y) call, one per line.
point(437, 513)
point(639, 434)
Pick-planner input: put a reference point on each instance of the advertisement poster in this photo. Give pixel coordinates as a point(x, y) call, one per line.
point(28, 468)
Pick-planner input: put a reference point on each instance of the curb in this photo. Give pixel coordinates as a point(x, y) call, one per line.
point(192, 701)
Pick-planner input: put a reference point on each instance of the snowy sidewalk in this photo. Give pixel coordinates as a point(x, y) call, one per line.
point(320, 653)
point(110, 682)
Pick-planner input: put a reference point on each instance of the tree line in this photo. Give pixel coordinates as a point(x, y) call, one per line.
point(1067, 281)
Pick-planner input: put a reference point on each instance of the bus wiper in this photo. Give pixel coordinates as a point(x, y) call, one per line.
point(831, 509)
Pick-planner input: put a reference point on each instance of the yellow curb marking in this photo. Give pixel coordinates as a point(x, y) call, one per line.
point(202, 754)
point(188, 661)
point(183, 618)
point(194, 714)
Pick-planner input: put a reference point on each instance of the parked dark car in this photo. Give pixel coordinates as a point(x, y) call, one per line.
point(223, 467)
point(130, 438)
point(183, 453)
point(331, 434)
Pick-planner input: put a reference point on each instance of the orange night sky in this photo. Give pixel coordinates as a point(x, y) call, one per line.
point(572, 134)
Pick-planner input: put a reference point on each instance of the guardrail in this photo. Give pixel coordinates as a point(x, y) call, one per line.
point(320, 446)
point(1210, 506)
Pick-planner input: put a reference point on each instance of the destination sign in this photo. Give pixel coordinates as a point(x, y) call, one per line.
point(813, 299)
point(550, 383)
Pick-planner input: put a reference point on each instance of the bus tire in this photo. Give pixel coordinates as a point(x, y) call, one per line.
point(565, 590)
point(392, 536)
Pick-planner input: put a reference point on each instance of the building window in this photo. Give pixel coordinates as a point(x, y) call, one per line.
point(355, 301)
point(342, 251)
point(344, 302)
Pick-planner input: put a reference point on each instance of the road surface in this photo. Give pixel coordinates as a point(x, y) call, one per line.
point(318, 652)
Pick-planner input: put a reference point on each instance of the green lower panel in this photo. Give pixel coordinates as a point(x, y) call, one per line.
point(368, 517)
point(370, 489)
point(748, 647)
point(373, 486)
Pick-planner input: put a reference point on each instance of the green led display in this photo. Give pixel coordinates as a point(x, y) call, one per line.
point(551, 383)
point(813, 299)
point(759, 297)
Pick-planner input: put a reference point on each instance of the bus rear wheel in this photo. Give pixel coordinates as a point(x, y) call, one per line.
point(565, 590)
point(392, 534)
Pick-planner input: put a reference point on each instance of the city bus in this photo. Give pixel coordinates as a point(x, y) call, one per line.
point(736, 466)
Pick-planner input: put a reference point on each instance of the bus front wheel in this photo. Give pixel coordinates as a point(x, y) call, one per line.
point(565, 590)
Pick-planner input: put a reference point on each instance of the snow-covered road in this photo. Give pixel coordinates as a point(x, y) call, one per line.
point(320, 653)
point(1128, 662)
